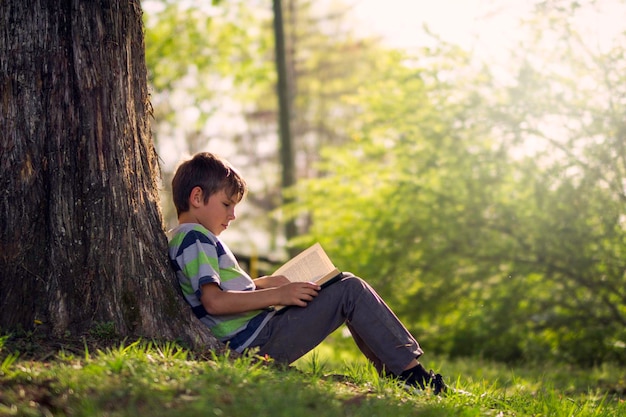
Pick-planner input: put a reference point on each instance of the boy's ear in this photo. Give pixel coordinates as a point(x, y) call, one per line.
point(196, 197)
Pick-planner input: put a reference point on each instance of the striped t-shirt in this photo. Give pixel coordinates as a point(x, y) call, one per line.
point(199, 258)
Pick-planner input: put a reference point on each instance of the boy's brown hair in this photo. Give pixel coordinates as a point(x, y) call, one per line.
point(209, 172)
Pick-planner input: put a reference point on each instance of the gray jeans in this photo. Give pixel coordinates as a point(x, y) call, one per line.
point(378, 333)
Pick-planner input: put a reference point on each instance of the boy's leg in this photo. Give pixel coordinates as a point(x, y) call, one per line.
point(367, 352)
point(377, 331)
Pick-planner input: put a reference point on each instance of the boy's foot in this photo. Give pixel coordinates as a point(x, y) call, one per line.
point(437, 384)
point(418, 377)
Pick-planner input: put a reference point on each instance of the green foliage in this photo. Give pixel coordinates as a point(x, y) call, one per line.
point(3, 340)
point(569, 94)
point(200, 59)
point(8, 362)
point(204, 43)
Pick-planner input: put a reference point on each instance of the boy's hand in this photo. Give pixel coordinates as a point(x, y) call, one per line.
point(298, 293)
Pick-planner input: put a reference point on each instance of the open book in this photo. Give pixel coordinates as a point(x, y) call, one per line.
point(310, 265)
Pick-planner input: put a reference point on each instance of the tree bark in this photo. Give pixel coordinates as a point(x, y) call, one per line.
point(81, 232)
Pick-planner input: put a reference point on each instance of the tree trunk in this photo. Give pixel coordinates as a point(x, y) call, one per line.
point(81, 232)
point(284, 116)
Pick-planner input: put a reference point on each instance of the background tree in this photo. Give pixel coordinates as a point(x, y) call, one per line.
point(285, 100)
point(569, 91)
point(81, 233)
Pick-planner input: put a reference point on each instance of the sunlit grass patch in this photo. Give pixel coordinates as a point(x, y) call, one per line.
point(148, 378)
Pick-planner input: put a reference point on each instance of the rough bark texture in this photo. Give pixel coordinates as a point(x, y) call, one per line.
point(81, 233)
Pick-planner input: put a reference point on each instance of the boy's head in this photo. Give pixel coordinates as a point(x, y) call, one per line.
point(209, 172)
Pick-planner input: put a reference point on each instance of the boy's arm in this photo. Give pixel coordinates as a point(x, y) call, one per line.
point(218, 302)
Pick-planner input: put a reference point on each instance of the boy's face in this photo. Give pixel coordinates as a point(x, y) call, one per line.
point(217, 213)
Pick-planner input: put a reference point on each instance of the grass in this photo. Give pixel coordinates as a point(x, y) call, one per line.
point(163, 379)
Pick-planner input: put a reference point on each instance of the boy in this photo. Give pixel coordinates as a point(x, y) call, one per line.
point(237, 309)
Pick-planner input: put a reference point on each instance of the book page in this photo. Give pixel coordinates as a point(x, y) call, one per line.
point(310, 265)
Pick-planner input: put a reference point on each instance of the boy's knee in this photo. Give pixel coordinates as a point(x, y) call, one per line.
point(353, 283)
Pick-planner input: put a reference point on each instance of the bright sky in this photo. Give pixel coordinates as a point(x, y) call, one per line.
point(458, 21)
point(489, 27)
point(401, 20)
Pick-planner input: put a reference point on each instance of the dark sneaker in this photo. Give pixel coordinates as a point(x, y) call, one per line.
point(437, 384)
point(418, 377)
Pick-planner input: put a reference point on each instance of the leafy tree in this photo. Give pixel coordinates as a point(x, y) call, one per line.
point(569, 99)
